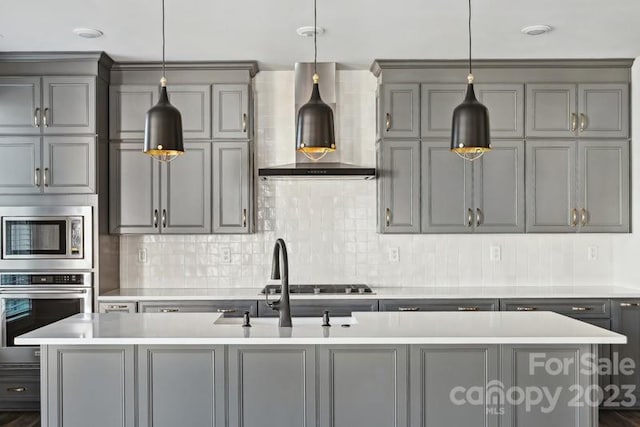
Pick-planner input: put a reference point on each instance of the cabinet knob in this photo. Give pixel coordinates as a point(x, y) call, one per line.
point(388, 217)
point(244, 122)
point(574, 217)
point(45, 120)
point(155, 218)
point(388, 122)
point(583, 122)
point(36, 177)
point(16, 389)
point(574, 122)
point(36, 116)
point(164, 218)
point(244, 218)
point(46, 177)
point(469, 217)
point(583, 217)
point(479, 216)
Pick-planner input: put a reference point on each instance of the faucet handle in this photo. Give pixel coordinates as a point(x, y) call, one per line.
point(246, 320)
point(325, 318)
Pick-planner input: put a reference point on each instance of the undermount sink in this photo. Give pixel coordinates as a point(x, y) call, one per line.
point(297, 321)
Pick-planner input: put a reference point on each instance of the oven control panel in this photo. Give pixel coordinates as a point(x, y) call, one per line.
point(45, 279)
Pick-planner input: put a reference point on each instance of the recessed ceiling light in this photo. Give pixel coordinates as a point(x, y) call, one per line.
point(535, 30)
point(309, 31)
point(87, 33)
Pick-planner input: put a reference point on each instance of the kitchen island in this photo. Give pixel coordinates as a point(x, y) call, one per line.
point(513, 369)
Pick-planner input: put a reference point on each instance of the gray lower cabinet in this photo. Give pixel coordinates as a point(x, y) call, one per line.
point(69, 164)
point(20, 389)
point(194, 104)
point(272, 386)
point(229, 308)
point(232, 187)
point(20, 105)
point(438, 305)
point(20, 164)
point(181, 386)
point(625, 319)
point(110, 371)
point(306, 308)
point(441, 377)
point(231, 111)
point(363, 386)
point(68, 105)
point(399, 203)
point(400, 116)
point(128, 105)
point(117, 307)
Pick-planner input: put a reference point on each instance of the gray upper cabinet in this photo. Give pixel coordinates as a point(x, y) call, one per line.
point(232, 180)
point(603, 199)
point(551, 110)
point(438, 103)
point(603, 110)
point(231, 112)
point(128, 105)
point(446, 190)
point(186, 191)
point(20, 105)
point(134, 190)
point(69, 105)
point(69, 164)
point(400, 116)
point(20, 165)
point(399, 209)
point(194, 104)
point(498, 188)
point(505, 103)
point(551, 186)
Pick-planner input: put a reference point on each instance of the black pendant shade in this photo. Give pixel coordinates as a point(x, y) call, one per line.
point(163, 130)
point(314, 129)
point(470, 127)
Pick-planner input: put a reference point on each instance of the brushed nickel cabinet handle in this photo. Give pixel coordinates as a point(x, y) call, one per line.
point(526, 309)
point(468, 309)
point(45, 119)
point(580, 308)
point(469, 217)
point(630, 304)
point(117, 307)
point(574, 122)
point(583, 122)
point(226, 310)
point(388, 217)
point(164, 218)
point(574, 217)
point(36, 115)
point(169, 310)
point(244, 218)
point(36, 177)
point(155, 218)
point(408, 308)
point(479, 216)
point(388, 122)
point(583, 217)
point(244, 122)
point(16, 389)
point(46, 177)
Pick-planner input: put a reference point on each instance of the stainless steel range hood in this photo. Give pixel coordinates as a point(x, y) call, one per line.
point(331, 166)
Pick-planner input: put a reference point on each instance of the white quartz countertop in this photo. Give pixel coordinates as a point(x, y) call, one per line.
point(367, 328)
point(172, 294)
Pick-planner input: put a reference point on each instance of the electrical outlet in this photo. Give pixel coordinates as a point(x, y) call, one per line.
point(592, 253)
point(394, 254)
point(142, 256)
point(495, 253)
point(225, 255)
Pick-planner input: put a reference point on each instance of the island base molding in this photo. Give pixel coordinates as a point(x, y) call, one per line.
point(316, 386)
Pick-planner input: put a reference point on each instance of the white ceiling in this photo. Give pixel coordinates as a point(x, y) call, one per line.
point(357, 31)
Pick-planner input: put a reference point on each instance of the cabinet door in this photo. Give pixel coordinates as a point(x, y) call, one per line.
point(134, 191)
point(604, 110)
point(69, 164)
point(625, 319)
point(400, 113)
point(20, 111)
point(20, 171)
point(186, 191)
point(194, 104)
point(231, 187)
point(400, 209)
point(446, 190)
point(363, 386)
point(498, 188)
point(438, 103)
point(550, 186)
point(272, 386)
point(231, 119)
point(505, 103)
point(181, 386)
point(69, 105)
point(603, 171)
point(128, 106)
point(551, 110)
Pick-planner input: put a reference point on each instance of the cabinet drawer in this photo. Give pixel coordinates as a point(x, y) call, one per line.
point(579, 308)
point(336, 308)
point(20, 388)
point(232, 308)
point(117, 307)
point(439, 305)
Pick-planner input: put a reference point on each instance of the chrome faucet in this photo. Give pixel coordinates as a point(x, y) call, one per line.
point(283, 305)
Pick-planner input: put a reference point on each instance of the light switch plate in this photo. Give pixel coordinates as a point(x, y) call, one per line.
point(225, 255)
point(495, 253)
point(394, 254)
point(142, 256)
point(592, 253)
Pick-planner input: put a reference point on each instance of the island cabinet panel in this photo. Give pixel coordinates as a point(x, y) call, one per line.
point(363, 386)
point(557, 368)
point(625, 319)
point(89, 385)
point(181, 386)
point(440, 378)
point(439, 305)
point(272, 386)
point(306, 308)
point(573, 307)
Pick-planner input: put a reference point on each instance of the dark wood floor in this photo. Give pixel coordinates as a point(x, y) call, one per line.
point(607, 419)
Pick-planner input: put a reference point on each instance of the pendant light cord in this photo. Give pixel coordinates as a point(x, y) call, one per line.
point(470, 69)
point(315, 38)
point(163, 42)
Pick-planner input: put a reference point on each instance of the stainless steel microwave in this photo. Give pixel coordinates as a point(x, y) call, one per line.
point(46, 237)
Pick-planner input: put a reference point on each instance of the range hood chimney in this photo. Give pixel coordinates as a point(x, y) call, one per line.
point(330, 166)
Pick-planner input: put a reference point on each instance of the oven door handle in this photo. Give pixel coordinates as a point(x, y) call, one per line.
point(43, 291)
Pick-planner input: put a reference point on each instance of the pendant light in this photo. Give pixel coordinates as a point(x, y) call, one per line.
point(315, 136)
point(163, 123)
point(470, 126)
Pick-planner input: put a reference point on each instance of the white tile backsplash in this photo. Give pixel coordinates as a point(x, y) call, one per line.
point(330, 226)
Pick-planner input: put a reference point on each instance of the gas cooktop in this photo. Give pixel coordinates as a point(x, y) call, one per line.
point(358, 289)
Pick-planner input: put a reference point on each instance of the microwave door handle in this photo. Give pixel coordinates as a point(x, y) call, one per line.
point(23, 291)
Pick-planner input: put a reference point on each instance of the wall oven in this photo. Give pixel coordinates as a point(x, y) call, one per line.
point(46, 237)
point(29, 301)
